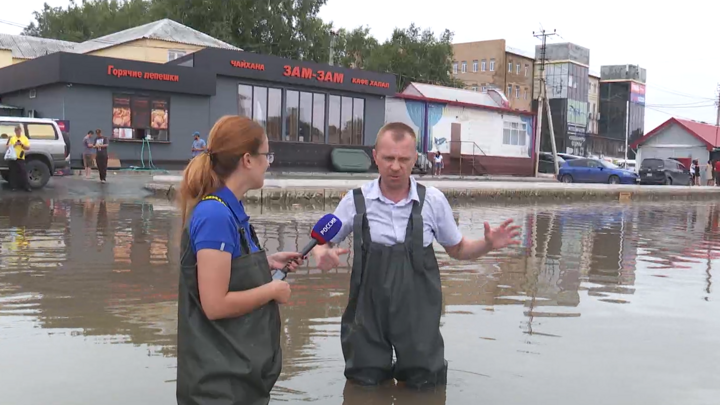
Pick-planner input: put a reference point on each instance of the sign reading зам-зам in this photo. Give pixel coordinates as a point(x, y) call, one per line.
point(137, 74)
point(328, 76)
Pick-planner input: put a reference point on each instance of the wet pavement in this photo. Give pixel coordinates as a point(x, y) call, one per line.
point(606, 303)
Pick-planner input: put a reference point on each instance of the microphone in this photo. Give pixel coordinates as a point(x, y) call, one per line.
point(324, 230)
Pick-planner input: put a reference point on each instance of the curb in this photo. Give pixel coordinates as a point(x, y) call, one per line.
point(516, 194)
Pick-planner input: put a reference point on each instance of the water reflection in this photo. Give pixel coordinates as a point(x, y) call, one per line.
point(577, 300)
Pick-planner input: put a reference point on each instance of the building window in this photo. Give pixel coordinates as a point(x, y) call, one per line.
point(464, 67)
point(474, 88)
point(526, 94)
point(482, 65)
point(514, 133)
point(526, 69)
point(484, 89)
point(264, 105)
point(304, 117)
point(454, 68)
point(517, 69)
point(137, 117)
point(175, 54)
point(492, 65)
point(475, 66)
point(510, 67)
point(346, 120)
point(509, 91)
point(517, 92)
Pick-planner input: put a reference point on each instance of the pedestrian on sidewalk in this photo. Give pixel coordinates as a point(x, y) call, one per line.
point(198, 146)
point(395, 299)
point(229, 324)
point(709, 173)
point(88, 152)
point(101, 155)
point(438, 162)
point(18, 172)
point(716, 165)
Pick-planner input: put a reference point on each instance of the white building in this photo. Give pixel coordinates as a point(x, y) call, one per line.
point(678, 139)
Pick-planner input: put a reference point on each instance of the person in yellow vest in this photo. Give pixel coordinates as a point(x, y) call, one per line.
point(18, 173)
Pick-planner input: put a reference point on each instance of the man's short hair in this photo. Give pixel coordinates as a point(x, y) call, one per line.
point(397, 130)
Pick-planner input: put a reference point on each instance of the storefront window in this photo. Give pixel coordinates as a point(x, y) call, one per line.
point(260, 106)
point(138, 117)
point(306, 105)
point(245, 100)
point(346, 119)
point(334, 120)
point(358, 121)
point(292, 104)
point(274, 115)
point(318, 130)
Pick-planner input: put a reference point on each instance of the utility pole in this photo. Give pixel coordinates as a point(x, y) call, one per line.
point(544, 102)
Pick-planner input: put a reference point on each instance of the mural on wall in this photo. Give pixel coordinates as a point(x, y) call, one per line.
point(400, 110)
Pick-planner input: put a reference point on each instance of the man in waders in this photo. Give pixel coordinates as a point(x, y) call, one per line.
point(395, 297)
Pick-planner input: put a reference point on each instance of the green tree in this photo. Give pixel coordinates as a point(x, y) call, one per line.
point(415, 56)
point(89, 19)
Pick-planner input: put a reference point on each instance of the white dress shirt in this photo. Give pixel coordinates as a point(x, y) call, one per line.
point(388, 220)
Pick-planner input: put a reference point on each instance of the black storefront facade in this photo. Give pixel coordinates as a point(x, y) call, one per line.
point(307, 109)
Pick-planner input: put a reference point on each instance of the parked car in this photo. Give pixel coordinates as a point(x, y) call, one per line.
point(48, 149)
point(664, 171)
point(567, 156)
point(545, 165)
point(585, 170)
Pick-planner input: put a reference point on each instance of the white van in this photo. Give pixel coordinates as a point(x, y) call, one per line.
point(49, 148)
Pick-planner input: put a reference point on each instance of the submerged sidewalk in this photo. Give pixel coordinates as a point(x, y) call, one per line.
point(288, 191)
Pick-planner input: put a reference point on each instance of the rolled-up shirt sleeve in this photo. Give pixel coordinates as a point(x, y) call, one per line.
point(345, 212)
point(444, 227)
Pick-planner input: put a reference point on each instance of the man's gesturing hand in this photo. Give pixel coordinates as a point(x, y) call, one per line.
point(502, 236)
point(328, 258)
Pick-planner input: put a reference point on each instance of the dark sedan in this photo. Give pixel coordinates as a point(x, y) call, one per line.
point(664, 171)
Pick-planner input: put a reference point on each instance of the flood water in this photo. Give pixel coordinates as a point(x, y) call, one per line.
point(601, 304)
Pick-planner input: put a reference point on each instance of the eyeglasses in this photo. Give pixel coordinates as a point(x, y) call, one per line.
point(269, 155)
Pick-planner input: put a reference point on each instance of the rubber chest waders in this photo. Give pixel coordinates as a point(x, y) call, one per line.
point(229, 361)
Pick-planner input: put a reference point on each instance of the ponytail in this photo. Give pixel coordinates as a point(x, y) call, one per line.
point(199, 180)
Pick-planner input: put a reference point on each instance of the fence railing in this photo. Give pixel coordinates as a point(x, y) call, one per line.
point(477, 168)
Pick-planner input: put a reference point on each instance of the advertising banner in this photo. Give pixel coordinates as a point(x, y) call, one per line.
point(637, 93)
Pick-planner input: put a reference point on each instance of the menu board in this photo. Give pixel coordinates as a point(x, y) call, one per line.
point(140, 112)
point(159, 114)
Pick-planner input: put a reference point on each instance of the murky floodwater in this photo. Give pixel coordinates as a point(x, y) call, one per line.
point(601, 304)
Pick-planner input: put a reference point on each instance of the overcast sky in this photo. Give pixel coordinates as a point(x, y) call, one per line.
point(661, 38)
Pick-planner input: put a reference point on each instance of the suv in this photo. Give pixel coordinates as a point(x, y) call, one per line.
point(664, 171)
point(48, 152)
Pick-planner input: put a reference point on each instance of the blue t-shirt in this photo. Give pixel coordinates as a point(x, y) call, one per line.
point(213, 225)
point(197, 145)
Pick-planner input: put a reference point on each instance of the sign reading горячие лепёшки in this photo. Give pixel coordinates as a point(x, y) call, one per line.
point(137, 74)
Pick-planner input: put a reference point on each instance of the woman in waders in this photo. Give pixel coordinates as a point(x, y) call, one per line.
point(228, 316)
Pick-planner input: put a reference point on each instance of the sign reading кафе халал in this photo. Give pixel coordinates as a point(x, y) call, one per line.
point(138, 74)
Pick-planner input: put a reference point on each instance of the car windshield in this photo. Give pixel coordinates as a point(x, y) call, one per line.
point(652, 164)
point(608, 165)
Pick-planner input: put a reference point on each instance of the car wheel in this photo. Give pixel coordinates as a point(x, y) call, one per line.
point(5, 175)
point(566, 178)
point(668, 181)
point(38, 173)
point(614, 180)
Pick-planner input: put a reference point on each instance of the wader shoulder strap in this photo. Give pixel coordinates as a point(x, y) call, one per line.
point(416, 220)
point(359, 228)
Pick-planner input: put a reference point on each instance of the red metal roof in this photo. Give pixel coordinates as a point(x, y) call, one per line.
point(708, 134)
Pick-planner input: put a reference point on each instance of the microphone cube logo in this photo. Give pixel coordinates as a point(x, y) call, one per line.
point(328, 226)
